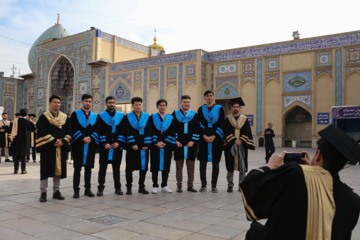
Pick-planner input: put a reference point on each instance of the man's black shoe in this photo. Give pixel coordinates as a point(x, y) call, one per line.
point(15, 172)
point(23, 172)
point(118, 191)
point(179, 189)
point(100, 191)
point(89, 193)
point(76, 194)
point(128, 191)
point(143, 191)
point(230, 189)
point(7, 160)
point(43, 197)
point(57, 195)
point(191, 189)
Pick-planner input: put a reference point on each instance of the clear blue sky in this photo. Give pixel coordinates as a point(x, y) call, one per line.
point(181, 25)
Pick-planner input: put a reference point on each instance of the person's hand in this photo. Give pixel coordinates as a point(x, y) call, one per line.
point(190, 144)
point(58, 143)
point(2, 130)
point(178, 144)
point(276, 161)
point(135, 147)
point(207, 139)
point(160, 145)
point(145, 148)
point(115, 145)
point(107, 146)
point(87, 140)
point(238, 142)
point(306, 160)
point(213, 138)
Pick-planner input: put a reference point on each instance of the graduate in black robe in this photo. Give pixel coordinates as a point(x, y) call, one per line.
point(138, 141)
point(83, 144)
point(32, 139)
point(238, 139)
point(20, 137)
point(4, 136)
point(306, 201)
point(211, 117)
point(187, 137)
point(163, 137)
point(17, 115)
point(269, 142)
point(111, 127)
point(53, 143)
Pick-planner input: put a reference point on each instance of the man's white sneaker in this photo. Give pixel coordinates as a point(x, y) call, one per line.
point(166, 190)
point(154, 191)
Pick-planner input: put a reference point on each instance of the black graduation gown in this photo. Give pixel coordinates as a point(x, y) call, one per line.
point(269, 142)
point(216, 130)
point(33, 135)
point(185, 138)
point(4, 140)
point(167, 137)
point(104, 131)
point(280, 195)
point(47, 134)
point(77, 144)
point(229, 141)
point(21, 142)
point(133, 158)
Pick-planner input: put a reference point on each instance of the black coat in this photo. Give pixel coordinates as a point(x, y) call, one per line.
point(21, 142)
point(269, 143)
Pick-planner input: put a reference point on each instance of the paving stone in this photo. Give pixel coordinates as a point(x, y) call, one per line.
point(115, 233)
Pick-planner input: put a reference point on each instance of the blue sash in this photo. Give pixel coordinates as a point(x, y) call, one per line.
point(185, 119)
point(185, 152)
point(211, 118)
point(143, 159)
point(162, 126)
point(113, 122)
point(138, 125)
point(84, 123)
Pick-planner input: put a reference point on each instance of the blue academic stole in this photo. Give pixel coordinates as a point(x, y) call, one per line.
point(211, 118)
point(139, 126)
point(185, 119)
point(84, 123)
point(113, 122)
point(162, 126)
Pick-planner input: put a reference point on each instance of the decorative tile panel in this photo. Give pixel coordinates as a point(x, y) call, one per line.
point(353, 56)
point(228, 68)
point(83, 88)
point(203, 70)
point(137, 80)
point(190, 70)
point(227, 91)
point(248, 79)
point(107, 37)
point(84, 55)
point(234, 81)
point(180, 82)
point(289, 100)
point(154, 75)
point(323, 59)
point(272, 76)
point(272, 64)
point(96, 78)
point(323, 71)
point(1, 91)
point(41, 70)
point(187, 82)
point(171, 72)
point(40, 93)
point(9, 107)
point(297, 82)
point(135, 46)
point(145, 90)
point(120, 92)
point(248, 67)
point(19, 101)
point(259, 97)
point(352, 69)
point(338, 77)
point(162, 80)
point(103, 76)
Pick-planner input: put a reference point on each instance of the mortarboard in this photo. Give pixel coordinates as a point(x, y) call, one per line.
point(237, 101)
point(341, 142)
point(32, 115)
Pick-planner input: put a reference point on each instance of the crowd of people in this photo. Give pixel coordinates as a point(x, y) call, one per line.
point(310, 193)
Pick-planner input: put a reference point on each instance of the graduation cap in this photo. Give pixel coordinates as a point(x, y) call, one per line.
point(341, 142)
point(32, 115)
point(17, 114)
point(237, 101)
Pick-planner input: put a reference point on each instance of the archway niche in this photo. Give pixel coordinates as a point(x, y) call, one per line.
point(298, 123)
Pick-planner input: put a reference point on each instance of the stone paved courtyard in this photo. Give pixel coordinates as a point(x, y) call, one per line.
point(155, 216)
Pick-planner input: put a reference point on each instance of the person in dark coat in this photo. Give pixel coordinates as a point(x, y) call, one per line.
point(11, 149)
point(238, 139)
point(53, 143)
point(139, 140)
point(110, 129)
point(4, 136)
point(20, 136)
point(163, 137)
point(33, 138)
point(83, 144)
point(211, 118)
point(269, 142)
point(187, 138)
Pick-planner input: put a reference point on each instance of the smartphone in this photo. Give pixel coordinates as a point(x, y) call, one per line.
point(294, 157)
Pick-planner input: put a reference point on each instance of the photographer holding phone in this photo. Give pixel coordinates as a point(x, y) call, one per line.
point(304, 201)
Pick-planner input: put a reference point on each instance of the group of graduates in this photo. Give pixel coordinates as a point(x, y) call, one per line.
point(17, 137)
point(184, 134)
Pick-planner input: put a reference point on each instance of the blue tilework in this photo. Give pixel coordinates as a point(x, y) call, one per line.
point(259, 97)
point(338, 77)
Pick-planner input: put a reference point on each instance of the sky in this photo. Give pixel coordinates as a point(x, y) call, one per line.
point(181, 25)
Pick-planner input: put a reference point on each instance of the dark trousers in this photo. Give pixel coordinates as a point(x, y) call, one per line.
point(215, 173)
point(165, 176)
point(33, 154)
point(116, 174)
point(129, 178)
point(77, 175)
point(190, 165)
point(16, 163)
point(268, 152)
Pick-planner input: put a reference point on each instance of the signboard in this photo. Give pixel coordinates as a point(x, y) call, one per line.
point(346, 112)
point(323, 118)
point(250, 118)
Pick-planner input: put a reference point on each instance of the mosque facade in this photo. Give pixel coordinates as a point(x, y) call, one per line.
point(292, 84)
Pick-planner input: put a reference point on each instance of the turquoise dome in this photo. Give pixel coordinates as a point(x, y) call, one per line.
point(56, 31)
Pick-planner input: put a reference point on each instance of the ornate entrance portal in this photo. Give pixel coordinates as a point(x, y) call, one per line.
point(298, 127)
point(62, 83)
